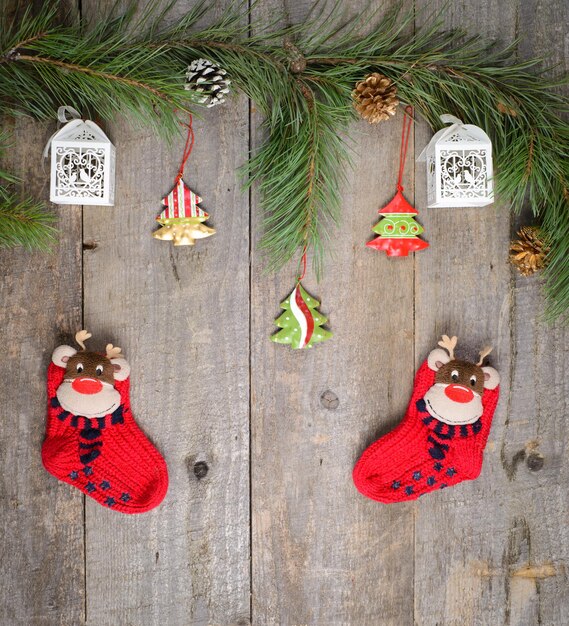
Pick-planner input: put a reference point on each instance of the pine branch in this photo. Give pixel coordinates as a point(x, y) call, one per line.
point(72, 67)
point(100, 71)
point(300, 78)
point(25, 223)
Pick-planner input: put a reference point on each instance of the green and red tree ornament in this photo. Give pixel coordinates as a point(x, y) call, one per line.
point(398, 231)
point(301, 324)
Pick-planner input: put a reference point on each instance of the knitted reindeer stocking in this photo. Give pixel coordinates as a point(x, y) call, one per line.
point(92, 441)
point(441, 440)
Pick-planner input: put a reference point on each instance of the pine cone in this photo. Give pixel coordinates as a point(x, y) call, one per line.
point(209, 80)
point(375, 98)
point(529, 252)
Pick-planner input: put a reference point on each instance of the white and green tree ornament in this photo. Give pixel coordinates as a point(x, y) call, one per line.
point(300, 324)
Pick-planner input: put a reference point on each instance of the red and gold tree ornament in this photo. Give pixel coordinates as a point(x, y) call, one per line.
point(182, 219)
point(301, 324)
point(398, 231)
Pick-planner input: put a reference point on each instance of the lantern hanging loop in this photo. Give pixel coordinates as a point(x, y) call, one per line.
point(62, 113)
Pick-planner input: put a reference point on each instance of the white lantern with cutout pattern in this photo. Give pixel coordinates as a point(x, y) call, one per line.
point(82, 163)
point(459, 166)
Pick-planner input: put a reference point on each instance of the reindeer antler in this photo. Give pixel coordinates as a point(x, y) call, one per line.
point(82, 336)
point(449, 343)
point(113, 352)
point(484, 353)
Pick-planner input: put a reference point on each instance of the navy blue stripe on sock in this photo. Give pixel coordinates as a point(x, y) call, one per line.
point(440, 427)
point(444, 446)
point(117, 416)
point(89, 456)
point(90, 433)
point(421, 405)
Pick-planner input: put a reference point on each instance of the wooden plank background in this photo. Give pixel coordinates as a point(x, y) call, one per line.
point(275, 532)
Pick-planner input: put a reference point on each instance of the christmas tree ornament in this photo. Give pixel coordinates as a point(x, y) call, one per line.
point(529, 252)
point(300, 324)
point(92, 441)
point(182, 219)
point(82, 162)
point(375, 98)
point(209, 81)
point(441, 440)
point(398, 231)
point(459, 166)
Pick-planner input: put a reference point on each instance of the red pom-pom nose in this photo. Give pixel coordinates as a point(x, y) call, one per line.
point(458, 393)
point(87, 385)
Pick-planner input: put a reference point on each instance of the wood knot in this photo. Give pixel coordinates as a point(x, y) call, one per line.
point(90, 245)
point(535, 461)
point(329, 400)
point(200, 469)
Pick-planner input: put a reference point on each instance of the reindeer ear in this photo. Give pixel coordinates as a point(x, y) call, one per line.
point(491, 378)
point(122, 368)
point(437, 358)
point(62, 354)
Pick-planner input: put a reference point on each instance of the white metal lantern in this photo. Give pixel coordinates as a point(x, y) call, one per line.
point(459, 166)
point(82, 163)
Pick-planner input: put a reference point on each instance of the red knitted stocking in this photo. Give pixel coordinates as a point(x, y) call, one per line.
point(423, 454)
point(108, 458)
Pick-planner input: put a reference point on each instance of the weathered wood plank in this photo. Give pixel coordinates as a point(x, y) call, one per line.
point(487, 569)
point(463, 288)
point(322, 554)
point(181, 315)
point(41, 519)
point(534, 448)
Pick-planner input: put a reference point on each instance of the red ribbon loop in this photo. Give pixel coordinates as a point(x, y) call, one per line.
point(187, 149)
point(405, 134)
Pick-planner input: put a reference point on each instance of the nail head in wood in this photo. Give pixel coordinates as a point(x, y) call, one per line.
point(200, 469)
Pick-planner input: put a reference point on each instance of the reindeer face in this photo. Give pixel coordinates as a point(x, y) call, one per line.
point(456, 396)
point(88, 371)
point(88, 388)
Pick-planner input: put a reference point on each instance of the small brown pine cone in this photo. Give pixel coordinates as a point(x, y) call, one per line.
point(529, 252)
point(375, 98)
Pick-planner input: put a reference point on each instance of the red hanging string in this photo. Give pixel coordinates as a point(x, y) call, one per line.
point(303, 263)
point(405, 134)
point(187, 150)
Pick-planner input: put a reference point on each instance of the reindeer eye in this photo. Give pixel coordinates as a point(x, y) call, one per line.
point(454, 375)
point(473, 381)
point(99, 370)
point(79, 367)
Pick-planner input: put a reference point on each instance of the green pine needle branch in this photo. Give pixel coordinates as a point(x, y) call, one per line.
point(24, 222)
point(300, 79)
